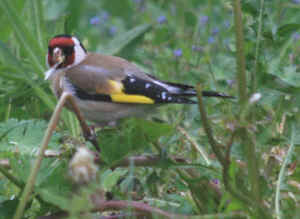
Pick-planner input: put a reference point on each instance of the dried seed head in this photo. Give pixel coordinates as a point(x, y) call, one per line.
point(82, 168)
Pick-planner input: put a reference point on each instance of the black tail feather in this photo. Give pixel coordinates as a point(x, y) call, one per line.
point(215, 94)
point(187, 90)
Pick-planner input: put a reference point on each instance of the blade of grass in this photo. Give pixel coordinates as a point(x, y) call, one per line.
point(38, 21)
point(123, 40)
point(11, 60)
point(8, 59)
point(282, 172)
point(22, 74)
point(257, 47)
point(24, 36)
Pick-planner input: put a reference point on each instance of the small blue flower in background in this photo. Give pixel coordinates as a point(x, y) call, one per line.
point(112, 30)
point(215, 31)
point(161, 19)
point(296, 36)
point(177, 53)
point(211, 40)
point(230, 83)
point(203, 19)
point(216, 181)
point(197, 48)
point(141, 5)
point(296, 1)
point(227, 24)
point(95, 20)
point(104, 16)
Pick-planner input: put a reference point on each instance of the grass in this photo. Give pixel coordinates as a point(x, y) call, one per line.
point(241, 51)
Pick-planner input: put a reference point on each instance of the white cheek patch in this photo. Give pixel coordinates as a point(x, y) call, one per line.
point(80, 53)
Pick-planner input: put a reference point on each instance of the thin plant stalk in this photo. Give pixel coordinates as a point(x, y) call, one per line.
point(34, 171)
point(258, 39)
point(281, 174)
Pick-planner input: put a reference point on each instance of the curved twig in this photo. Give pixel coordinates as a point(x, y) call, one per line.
point(34, 171)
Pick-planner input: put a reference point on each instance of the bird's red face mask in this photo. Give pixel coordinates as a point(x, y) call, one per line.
point(61, 51)
point(64, 51)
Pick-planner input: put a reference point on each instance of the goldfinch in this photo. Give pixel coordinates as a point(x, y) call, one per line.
point(108, 88)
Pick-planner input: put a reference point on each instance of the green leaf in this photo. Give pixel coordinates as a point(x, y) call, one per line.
point(8, 208)
point(53, 184)
point(110, 178)
point(287, 74)
point(55, 9)
point(288, 29)
point(250, 8)
point(132, 135)
point(120, 42)
point(124, 9)
point(24, 136)
point(56, 199)
point(74, 15)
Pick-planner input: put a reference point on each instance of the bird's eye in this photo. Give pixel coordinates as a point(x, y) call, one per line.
point(68, 50)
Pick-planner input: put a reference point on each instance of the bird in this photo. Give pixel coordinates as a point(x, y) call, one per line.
point(108, 88)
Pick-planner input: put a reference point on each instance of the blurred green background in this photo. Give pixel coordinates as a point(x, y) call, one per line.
point(190, 42)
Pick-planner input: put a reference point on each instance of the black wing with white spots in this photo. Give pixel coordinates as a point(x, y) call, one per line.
point(159, 91)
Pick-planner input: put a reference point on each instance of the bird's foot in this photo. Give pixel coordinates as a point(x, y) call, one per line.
point(92, 137)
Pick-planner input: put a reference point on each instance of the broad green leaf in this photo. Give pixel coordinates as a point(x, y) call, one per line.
point(250, 8)
point(53, 184)
point(288, 29)
point(122, 9)
point(123, 40)
point(74, 15)
point(132, 135)
point(110, 178)
point(24, 136)
point(8, 208)
point(57, 199)
point(55, 8)
point(287, 74)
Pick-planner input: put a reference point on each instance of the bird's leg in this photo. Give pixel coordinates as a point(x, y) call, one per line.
point(88, 133)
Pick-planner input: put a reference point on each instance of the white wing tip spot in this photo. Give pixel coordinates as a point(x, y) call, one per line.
point(163, 95)
point(132, 80)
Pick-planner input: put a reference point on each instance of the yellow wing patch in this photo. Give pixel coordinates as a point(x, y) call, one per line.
point(128, 98)
point(117, 95)
point(116, 87)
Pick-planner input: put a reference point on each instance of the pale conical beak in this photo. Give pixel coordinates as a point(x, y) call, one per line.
point(58, 58)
